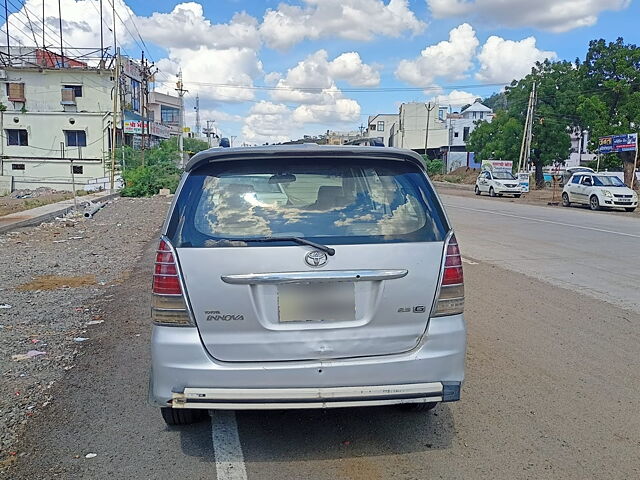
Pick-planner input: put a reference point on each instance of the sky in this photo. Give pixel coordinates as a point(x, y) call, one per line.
point(271, 71)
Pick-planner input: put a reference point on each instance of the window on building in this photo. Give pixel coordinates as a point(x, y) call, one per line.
point(169, 115)
point(15, 92)
point(17, 166)
point(17, 136)
point(455, 134)
point(481, 115)
point(76, 138)
point(77, 169)
point(372, 127)
point(380, 126)
point(475, 114)
point(465, 133)
point(77, 89)
point(135, 95)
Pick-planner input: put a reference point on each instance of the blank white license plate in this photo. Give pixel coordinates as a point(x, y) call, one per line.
point(316, 302)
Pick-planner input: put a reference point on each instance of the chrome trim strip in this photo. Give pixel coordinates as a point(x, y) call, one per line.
point(296, 398)
point(305, 405)
point(314, 276)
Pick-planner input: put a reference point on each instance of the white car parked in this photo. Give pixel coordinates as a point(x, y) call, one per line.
point(498, 184)
point(599, 190)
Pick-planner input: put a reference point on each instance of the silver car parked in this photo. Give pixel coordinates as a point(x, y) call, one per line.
point(338, 284)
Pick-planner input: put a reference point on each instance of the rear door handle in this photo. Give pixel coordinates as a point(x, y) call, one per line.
point(319, 276)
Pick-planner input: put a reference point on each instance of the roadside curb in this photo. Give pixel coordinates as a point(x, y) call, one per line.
point(45, 217)
point(455, 186)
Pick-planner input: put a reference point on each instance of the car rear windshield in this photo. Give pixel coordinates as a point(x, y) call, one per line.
point(336, 201)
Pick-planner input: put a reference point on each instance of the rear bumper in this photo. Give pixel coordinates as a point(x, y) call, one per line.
point(299, 398)
point(184, 375)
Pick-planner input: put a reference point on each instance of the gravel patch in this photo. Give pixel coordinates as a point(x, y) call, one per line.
point(51, 278)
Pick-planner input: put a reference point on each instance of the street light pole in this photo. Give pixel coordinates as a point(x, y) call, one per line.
point(426, 135)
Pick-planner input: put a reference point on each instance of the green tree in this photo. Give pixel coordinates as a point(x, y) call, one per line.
point(194, 145)
point(499, 139)
point(610, 102)
point(497, 101)
point(160, 169)
point(555, 111)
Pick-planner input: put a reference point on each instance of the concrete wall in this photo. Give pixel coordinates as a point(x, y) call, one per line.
point(45, 119)
point(412, 127)
point(388, 119)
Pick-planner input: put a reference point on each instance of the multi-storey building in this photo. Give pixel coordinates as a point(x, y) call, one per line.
point(56, 117)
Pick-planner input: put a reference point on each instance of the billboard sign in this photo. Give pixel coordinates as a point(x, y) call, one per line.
point(627, 142)
point(155, 129)
point(523, 180)
point(497, 165)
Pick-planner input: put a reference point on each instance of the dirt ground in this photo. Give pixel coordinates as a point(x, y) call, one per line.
point(49, 276)
point(464, 175)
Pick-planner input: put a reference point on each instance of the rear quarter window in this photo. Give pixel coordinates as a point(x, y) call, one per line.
point(334, 201)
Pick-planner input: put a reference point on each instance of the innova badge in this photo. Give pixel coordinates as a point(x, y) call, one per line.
point(315, 258)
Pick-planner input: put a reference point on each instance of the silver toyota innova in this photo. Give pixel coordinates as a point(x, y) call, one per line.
point(305, 277)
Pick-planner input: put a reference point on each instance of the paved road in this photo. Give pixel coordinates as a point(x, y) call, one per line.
point(594, 253)
point(553, 377)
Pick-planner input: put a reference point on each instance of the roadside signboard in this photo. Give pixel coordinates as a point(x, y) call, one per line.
point(523, 180)
point(497, 165)
point(627, 142)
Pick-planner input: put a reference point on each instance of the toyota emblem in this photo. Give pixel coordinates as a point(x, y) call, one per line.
point(315, 258)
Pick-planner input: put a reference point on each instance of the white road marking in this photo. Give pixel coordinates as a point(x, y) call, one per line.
point(468, 262)
point(226, 446)
point(546, 221)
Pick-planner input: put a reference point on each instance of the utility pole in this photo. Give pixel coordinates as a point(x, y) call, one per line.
point(101, 34)
point(181, 91)
point(525, 146)
point(426, 135)
point(208, 132)
point(116, 94)
point(197, 115)
point(361, 128)
point(60, 26)
point(531, 118)
point(6, 27)
point(145, 120)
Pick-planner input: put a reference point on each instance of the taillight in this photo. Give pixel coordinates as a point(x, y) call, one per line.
point(168, 306)
point(451, 298)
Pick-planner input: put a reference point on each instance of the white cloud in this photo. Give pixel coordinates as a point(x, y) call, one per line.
point(272, 78)
point(80, 24)
point(448, 59)
point(342, 110)
point(312, 80)
point(186, 27)
point(455, 98)
point(349, 67)
point(553, 15)
point(358, 20)
point(209, 68)
point(504, 60)
point(268, 122)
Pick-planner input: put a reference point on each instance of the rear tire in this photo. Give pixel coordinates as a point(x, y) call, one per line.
point(418, 407)
point(565, 200)
point(182, 416)
point(630, 209)
point(594, 204)
point(492, 192)
point(477, 190)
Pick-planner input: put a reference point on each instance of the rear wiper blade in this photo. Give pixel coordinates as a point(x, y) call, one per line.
point(302, 241)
